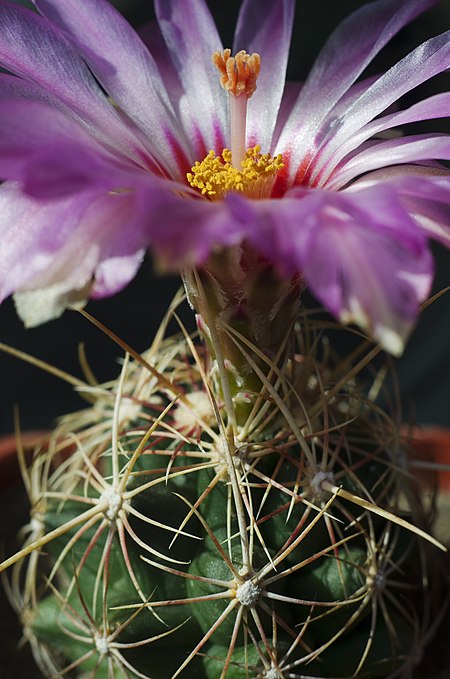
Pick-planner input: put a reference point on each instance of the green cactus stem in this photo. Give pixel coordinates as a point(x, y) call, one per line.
point(171, 541)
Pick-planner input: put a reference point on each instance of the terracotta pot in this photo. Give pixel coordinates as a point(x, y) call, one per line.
point(9, 465)
point(431, 450)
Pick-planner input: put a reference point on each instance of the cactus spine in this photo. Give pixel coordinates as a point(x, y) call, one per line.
point(199, 520)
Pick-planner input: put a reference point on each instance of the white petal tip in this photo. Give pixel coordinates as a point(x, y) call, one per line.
point(39, 306)
point(390, 340)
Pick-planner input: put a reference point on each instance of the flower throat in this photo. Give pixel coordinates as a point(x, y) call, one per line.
point(237, 169)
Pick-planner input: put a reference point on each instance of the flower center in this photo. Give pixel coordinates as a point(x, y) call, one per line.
point(237, 169)
point(215, 176)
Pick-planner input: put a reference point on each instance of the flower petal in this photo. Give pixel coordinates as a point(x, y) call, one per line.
point(56, 249)
point(32, 49)
point(187, 118)
point(14, 89)
point(362, 255)
point(274, 227)
point(344, 57)
point(434, 107)
point(192, 230)
point(124, 67)
point(426, 61)
point(32, 233)
point(393, 152)
point(433, 217)
point(192, 38)
point(38, 306)
point(265, 27)
point(365, 273)
point(57, 157)
point(425, 192)
point(153, 39)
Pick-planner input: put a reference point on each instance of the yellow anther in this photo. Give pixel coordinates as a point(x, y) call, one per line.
point(215, 176)
point(238, 75)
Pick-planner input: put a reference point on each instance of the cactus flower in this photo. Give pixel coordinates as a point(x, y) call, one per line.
point(111, 144)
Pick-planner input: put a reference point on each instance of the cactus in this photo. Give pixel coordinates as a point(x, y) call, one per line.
point(169, 537)
point(236, 504)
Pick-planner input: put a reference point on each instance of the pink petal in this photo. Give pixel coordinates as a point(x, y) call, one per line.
point(434, 107)
point(393, 152)
point(426, 61)
point(362, 255)
point(34, 50)
point(56, 157)
point(192, 38)
point(366, 262)
point(191, 229)
point(57, 252)
point(125, 68)
point(342, 60)
point(425, 192)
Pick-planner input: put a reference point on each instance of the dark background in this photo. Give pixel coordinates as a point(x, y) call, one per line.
point(134, 314)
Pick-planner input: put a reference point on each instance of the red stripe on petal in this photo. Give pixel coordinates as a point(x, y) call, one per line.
point(281, 183)
point(302, 175)
point(183, 162)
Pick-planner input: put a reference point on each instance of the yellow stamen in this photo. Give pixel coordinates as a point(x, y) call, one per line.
point(215, 176)
point(239, 73)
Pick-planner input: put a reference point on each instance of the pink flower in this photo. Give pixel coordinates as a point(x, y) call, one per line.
point(98, 132)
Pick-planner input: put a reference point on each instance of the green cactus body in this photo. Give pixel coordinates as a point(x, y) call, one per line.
point(187, 541)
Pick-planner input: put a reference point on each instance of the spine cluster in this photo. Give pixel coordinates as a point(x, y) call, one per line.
point(163, 544)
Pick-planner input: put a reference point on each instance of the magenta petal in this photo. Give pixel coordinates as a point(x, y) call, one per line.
point(124, 67)
point(290, 94)
point(188, 118)
point(362, 255)
point(192, 229)
point(368, 268)
point(57, 157)
point(33, 233)
point(191, 37)
point(368, 279)
point(265, 27)
point(120, 139)
point(153, 39)
point(433, 217)
point(274, 227)
point(34, 50)
point(393, 152)
point(434, 107)
point(426, 61)
point(342, 60)
point(13, 88)
point(425, 192)
point(52, 250)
